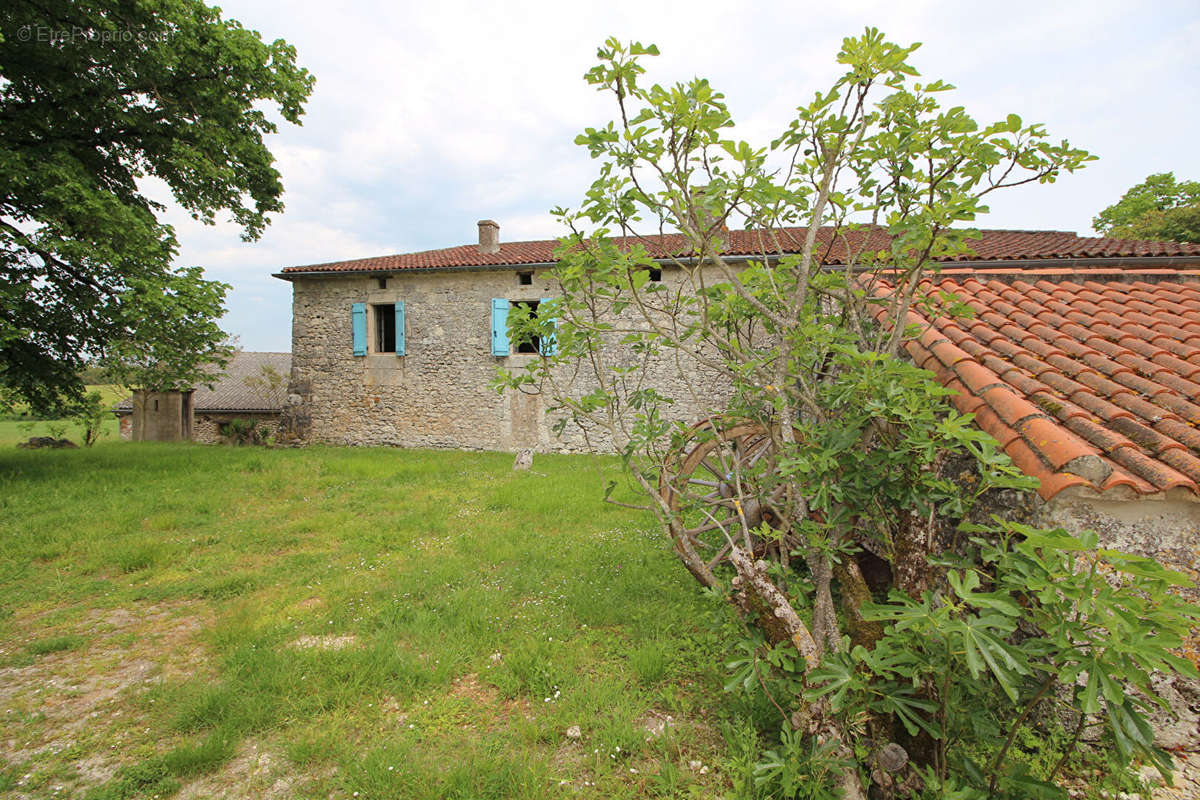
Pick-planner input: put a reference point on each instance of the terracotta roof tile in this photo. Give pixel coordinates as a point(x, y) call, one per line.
point(991, 245)
point(1143, 408)
point(1120, 477)
point(976, 378)
point(1085, 384)
point(989, 421)
point(1059, 407)
point(1151, 470)
point(1189, 411)
point(1147, 438)
point(1181, 385)
point(1183, 461)
point(1180, 432)
point(966, 402)
point(1055, 443)
point(1009, 405)
point(1099, 435)
point(1176, 365)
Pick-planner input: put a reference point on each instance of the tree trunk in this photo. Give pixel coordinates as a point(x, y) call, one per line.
point(914, 576)
point(911, 570)
point(825, 627)
point(759, 596)
point(855, 593)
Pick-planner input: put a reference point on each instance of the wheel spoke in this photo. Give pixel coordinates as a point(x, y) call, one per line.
point(720, 465)
point(701, 482)
point(712, 526)
point(758, 455)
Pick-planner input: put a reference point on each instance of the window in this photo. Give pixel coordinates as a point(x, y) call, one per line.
point(525, 278)
point(502, 346)
point(655, 274)
point(381, 283)
point(527, 308)
point(385, 328)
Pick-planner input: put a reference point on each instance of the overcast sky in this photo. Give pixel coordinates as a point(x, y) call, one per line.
point(427, 117)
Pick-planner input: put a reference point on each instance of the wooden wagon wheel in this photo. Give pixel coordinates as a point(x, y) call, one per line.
point(710, 484)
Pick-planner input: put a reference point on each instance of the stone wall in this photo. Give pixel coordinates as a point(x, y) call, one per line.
point(207, 426)
point(440, 393)
point(1165, 528)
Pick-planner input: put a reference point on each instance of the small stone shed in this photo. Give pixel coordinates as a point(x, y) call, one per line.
point(1090, 381)
point(244, 391)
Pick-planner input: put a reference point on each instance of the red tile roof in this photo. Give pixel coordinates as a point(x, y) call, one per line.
point(1085, 384)
point(993, 245)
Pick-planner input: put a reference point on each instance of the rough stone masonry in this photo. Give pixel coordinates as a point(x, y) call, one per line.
point(440, 393)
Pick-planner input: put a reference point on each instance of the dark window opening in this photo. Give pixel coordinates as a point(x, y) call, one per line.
point(655, 274)
point(525, 278)
point(385, 328)
point(382, 282)
point(528, 308)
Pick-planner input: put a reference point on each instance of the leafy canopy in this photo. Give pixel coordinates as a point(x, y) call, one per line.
point(1157, 208)
point(96, 99)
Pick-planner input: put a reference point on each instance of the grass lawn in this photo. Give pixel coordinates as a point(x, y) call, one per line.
point(191, 621)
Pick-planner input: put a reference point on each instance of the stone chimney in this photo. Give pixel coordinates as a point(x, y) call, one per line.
point(489, 236)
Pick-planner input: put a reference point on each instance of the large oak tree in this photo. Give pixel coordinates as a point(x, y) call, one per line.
point(96, 97)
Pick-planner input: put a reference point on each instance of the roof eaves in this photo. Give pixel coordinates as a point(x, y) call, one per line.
point(285, 276)
point(1122, 492)
point(1085, 265)
point(1091, 263)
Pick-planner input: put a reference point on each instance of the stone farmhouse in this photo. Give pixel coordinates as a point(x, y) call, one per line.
point(1083, 360)
point(402, 350)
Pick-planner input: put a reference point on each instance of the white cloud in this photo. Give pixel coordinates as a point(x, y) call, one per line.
point(427, 117)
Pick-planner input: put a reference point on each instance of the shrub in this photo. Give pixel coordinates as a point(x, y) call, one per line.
point(241, 432)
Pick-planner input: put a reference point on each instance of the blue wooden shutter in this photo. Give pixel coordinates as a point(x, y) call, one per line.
point(400, 350)
point(549, 341)
point(499, 326)
point(358, 319)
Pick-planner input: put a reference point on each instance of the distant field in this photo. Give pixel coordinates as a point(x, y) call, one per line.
point(181, 620)
point(14, 431)
point(110, 394)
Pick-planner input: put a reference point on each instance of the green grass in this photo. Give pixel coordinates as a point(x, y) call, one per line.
point(55, 644)
point(110, 393)
point(14, 431)
point(402, 624)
